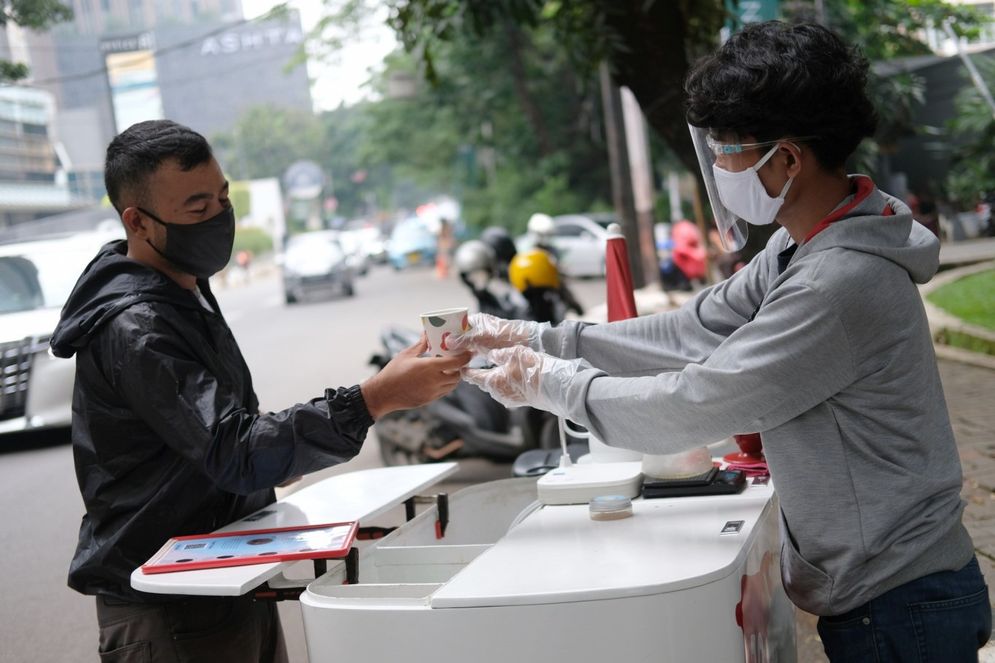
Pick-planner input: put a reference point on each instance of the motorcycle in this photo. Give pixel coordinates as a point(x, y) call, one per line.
point(468, 422)
point(465, 423)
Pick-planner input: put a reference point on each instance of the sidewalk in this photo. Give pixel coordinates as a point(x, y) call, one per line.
point(969, 391)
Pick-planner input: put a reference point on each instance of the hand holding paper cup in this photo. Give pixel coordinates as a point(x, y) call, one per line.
point(441, 325)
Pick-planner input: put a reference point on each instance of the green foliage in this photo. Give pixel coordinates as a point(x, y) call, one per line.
point(886, 29)
point(505, 110)
point(509, 128)
point(12, 71)
point(241, 198)
point(254, 240)
point(648, 45)
point(972, 169)
point(266, 140)
point(34, 14)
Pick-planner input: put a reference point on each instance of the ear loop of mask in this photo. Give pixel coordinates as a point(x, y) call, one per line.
point(758, 165)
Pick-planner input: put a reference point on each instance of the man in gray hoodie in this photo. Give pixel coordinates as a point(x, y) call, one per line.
point(821, 344)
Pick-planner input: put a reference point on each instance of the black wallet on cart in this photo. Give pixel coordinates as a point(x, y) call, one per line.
point(712, 482)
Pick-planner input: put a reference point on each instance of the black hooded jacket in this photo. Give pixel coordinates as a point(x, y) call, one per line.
point(167, 437)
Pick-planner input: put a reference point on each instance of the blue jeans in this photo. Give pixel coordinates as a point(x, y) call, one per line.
point(944, 617)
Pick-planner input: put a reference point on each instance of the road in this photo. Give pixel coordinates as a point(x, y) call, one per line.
point(294, 354)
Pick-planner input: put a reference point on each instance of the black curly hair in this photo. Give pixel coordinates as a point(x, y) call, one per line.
point(773, 80)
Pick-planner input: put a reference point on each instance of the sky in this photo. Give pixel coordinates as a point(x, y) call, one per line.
point(340, 80)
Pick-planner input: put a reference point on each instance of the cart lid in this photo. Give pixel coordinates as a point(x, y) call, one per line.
point(559, 555)
point(360, 495)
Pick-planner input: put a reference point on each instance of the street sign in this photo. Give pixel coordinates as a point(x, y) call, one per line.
point(304, 180)
point(752, 11)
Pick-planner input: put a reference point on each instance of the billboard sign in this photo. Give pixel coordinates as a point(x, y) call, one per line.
point(131, 75)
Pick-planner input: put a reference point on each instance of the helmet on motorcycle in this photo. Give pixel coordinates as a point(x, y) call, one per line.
point(541, 224)
point(500, 241)
point(533, 269)
point(472, 256)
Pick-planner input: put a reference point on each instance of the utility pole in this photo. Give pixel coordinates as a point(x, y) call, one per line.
point(618, 163)
point(641, 173)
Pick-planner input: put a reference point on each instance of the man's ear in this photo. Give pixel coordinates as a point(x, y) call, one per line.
point(133, 223)
point(793, 158)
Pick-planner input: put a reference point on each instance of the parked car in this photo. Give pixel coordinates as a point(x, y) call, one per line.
point(370, 239)
point(351, 243)
point(579, 241)
point(315, 262)
point(411, 243)
point(36, 278)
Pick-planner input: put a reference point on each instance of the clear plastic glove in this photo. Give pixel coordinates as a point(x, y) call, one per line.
point(522, 376)
point(489, 332)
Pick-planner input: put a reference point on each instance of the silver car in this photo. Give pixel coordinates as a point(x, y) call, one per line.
point(579, 241)
point(315, 262)
point(36, 278)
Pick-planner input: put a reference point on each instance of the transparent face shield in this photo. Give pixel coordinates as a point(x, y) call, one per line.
point(760, 207)
point(732, 229)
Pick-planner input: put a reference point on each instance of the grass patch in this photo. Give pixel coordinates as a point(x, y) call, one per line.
point(972, 299)
point(956, 339)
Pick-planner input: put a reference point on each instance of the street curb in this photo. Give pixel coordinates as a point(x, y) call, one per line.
point(940, 320)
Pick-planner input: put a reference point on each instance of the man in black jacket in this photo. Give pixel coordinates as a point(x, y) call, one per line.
point(167, 436)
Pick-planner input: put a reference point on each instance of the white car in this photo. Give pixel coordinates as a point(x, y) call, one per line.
point(370, 239)
point(36, 277)
point(579, 241)
point(315, 262)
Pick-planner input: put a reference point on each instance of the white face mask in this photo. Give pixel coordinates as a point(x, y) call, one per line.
point(744, 194)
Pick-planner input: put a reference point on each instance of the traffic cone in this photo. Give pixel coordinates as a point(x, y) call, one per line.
point(618, 278)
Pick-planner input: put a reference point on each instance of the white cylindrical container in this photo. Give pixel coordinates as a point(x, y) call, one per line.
point(599, 451)
point(677, 466)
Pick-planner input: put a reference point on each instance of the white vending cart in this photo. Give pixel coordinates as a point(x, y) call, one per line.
point(491, 576)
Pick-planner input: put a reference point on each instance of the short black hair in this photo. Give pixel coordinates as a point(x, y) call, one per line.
point(139, 150)
point(773, 80)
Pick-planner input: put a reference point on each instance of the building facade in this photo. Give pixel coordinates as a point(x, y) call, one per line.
point(33, 182)
point(122, 61)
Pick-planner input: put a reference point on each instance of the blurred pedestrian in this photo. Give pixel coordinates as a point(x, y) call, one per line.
point(444, 248)
point(924, 210)
point(167, 434)
point(244, 260)
point(820, 343)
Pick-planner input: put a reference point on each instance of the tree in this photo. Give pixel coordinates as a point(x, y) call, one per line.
point(972, 169)
point(507, 140)
point(651, 45)
point(34, 14)
point(885, 30)
point(267, 139)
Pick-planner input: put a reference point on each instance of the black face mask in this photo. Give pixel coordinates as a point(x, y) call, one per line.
point(201, 249)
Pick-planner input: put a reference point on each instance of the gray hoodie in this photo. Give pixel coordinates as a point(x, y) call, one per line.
point(832, 362)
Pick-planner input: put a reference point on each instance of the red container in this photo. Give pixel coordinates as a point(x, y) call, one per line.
point(749, 443)
point(750, 449)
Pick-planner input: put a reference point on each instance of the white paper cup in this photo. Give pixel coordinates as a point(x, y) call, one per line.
point(441, 325)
